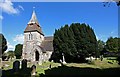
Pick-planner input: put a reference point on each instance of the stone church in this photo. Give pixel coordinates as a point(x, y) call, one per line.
point(36, 47)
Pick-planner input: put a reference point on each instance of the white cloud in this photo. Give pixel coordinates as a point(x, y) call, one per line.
point(21, 7)
point(7, 7)
point(8, 43)
point(1, 17)
point(19, 38)
point(10, 47)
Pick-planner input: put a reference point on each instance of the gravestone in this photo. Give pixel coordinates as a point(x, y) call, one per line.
point(63, 59)
point(50, 66)
point(33, 70)
point(0, 72)
point(101, 57)
point(16, 66)
point(24, 64)
point(20, 64)
point(0, 63)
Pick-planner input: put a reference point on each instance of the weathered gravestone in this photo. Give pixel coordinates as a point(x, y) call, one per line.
point(24, 64)
point(0, 72)
point(50, 66)
point(33, 70)
point(63, 59)
point(16, 66)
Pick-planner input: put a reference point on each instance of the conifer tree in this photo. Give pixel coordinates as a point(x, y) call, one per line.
point(76, 41)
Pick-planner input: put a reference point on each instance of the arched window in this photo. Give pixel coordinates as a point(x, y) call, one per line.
point(30, 37)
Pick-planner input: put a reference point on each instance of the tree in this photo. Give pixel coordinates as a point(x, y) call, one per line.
point(118, 59)
point(107, 3)
point(117, 2)
point(101, 45)
point(4, 57)
point(112, 44)
point(11, 54)
point(76, 41)
point(3, 44)
point(18, 51)
point(118, 45)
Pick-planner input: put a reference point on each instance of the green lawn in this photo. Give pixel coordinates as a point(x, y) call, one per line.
point(106, 63)
point(97, 64)
point(40, 68)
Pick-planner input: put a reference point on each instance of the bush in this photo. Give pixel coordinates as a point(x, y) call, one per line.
point(91, 62)
point(118, 59)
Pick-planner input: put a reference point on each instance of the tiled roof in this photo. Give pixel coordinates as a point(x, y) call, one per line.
point(33, 24)
point(49, 38)
point(33, 27)
point(47, 44)
point(43, 50)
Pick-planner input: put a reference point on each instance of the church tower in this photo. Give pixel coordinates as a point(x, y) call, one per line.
point(33, 38)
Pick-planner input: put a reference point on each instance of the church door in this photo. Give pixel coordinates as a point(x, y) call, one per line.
point(37, 55)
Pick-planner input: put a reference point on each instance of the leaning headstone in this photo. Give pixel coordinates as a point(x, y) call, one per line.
point(33, 70)
point(16, 66)
point(24, 64)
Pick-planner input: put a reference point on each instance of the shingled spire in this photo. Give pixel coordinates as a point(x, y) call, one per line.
point(33, 18)
point(33, 25)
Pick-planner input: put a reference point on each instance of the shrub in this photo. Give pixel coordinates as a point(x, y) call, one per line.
point(118, 59)
point(91, 62)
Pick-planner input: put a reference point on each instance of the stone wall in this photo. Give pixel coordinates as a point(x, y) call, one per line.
point(29, 44)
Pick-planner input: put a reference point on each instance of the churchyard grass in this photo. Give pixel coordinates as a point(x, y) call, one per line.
point(46, 65)
point(97, 64)
point(106, 63)
point(9, 63)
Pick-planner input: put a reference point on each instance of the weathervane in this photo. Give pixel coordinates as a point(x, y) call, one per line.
point(33, 8)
